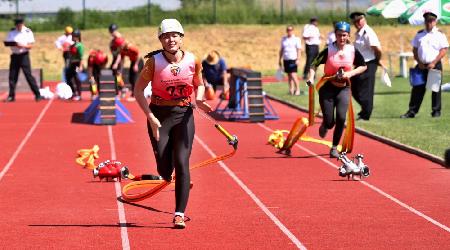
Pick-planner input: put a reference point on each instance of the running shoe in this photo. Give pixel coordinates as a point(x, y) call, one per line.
point(178, 222)
point(334, 153)
point(323, 131)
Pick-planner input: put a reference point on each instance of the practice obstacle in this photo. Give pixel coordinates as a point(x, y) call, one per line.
point(107, 108)
point(247, 98)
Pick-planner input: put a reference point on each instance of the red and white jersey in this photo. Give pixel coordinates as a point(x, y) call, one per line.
point(174, 80)
point(339, 59)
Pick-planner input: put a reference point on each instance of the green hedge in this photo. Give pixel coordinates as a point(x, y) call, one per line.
point(227, 12)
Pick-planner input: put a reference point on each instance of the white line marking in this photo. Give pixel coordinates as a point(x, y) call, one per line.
point(120, 207)
point(25, 140)
point(255, 198)
point(390, 197)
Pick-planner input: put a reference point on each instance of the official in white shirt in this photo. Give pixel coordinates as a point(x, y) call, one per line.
point(368, 44)
point(429, 46)
point(20, 59)
point(289, 57)
point(331, 36)
point(311, 36)
point(63, 43)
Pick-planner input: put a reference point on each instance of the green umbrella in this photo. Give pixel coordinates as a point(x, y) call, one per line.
point(390, 8)
point(414, 15)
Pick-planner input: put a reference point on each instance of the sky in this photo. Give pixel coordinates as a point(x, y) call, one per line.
point(49, 6)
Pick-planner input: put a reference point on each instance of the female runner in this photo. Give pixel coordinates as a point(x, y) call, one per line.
point(339, 58)
point(175, 75)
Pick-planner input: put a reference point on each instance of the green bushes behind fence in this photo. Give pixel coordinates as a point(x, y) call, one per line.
point(192, 12)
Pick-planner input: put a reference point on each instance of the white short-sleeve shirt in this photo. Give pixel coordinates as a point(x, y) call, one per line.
point(290, 47)
point(23, 37)
point(62, 41)
point(311, 34)
point(331, 37)
point(364, 40)
point(429, 44)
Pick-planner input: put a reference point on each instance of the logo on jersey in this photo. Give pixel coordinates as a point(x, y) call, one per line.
point(175, 69)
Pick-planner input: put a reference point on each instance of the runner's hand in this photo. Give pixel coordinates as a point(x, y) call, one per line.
point(154, 124)
point(203, 105)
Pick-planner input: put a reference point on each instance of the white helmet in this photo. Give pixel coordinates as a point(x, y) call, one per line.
point(170, 25)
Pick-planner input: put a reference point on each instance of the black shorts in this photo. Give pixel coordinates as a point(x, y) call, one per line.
point(290, 66)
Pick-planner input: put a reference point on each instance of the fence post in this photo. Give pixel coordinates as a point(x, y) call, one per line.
point(214, 12)
point(84, 14)
point(282, 11)
point(149, 17)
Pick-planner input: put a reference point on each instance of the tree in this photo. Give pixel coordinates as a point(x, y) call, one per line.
point(65, 16)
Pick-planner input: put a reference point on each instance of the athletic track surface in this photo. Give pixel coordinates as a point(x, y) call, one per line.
point(255, 200)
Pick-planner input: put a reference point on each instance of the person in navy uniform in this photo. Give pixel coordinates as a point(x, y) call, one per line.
point(23, 40)
point(429, 46)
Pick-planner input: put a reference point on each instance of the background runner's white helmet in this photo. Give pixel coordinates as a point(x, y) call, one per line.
point(170, 25)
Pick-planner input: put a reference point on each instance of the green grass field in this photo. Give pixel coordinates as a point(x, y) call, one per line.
point(424, 132)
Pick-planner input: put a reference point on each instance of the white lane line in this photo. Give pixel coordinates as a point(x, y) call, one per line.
point(24, 140)
point(258, 202)
point(120, 207)
point(381, 192)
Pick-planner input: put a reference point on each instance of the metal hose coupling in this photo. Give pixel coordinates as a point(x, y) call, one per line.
point(231, 139)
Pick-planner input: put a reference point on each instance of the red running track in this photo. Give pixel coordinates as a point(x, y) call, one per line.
point(256, 200)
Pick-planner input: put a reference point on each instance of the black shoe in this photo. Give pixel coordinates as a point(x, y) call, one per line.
point(38, 98)
point(436, 114)
point(359, 118)
point(408, 115)
point(322, 131)
point(334, 153)
point(10, 99)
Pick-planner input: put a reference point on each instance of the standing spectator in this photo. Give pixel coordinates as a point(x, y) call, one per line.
point(289, 57)
point(363, 86)
point(75, 65)
point(429, 46)
point(342, 60)
point(311, 35)
point(129, 50)
point(22, 40)
point(215, 71)
point(63, 43)
point(331, 36)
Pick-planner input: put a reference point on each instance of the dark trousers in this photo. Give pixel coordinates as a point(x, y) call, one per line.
point(311, 52)
point(21, 61)
point(72, 79)
point(174, 147)
point(132, 75)
point(363, 89)
point(418, 92)
point(333, 98)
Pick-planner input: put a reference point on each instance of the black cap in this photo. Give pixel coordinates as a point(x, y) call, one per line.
point(313, 19)
point(112, 27)
point(357, 15)
point(76, 33)
point(18, 20)
point(429, 14)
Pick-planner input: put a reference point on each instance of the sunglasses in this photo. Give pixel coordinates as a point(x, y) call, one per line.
point(430, 20)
